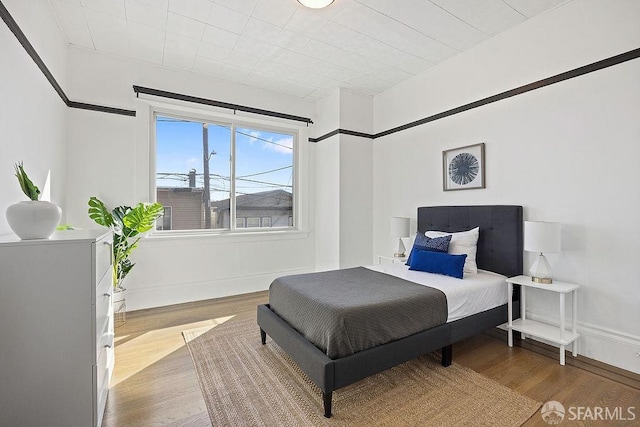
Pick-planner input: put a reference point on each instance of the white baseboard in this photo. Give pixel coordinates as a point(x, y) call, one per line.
point(149, 296)
point(606, 345)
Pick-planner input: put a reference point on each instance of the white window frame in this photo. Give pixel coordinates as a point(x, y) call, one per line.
point(188, 113)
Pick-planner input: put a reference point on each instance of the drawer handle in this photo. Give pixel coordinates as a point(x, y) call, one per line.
point(107, 294)
point(110, 252)
point(107, 346)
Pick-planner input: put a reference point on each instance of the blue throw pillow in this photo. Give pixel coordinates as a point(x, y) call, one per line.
point(424, 243)
point(438, 263)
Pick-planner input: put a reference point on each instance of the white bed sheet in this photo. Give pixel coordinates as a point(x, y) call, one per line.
point(472, 294)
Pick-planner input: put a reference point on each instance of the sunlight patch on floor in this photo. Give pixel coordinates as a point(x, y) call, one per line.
point(133, 355)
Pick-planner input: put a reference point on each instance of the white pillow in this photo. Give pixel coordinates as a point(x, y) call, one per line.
point(464, 242)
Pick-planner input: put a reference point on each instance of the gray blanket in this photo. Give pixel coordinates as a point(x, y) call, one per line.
point(346, 311)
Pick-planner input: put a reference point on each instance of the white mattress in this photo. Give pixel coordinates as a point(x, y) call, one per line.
point(471, 295)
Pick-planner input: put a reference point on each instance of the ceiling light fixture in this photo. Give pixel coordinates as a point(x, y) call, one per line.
point(315, 4)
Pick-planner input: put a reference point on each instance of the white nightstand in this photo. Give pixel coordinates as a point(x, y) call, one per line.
point(557, 335)
point(391, 259)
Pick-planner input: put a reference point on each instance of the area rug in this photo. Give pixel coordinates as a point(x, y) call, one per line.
point(245, 383)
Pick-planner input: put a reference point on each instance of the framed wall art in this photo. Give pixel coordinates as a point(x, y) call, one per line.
point(463, 168)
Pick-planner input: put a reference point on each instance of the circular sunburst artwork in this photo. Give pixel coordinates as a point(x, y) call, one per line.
point(464, 168)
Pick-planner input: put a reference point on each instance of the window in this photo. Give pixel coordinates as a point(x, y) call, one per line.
point(253, 222)
point(224, 175)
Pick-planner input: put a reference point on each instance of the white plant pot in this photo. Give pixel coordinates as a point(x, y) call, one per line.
point(119, 295)
point(119, 306)
point(34, 219)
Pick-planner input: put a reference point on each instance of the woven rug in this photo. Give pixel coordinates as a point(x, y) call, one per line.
point(247, 384)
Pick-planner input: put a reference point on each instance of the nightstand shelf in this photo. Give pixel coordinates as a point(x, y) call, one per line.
point(555, 334)
point(544, 331)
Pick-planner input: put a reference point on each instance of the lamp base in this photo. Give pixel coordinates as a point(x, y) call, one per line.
point(540, 271)
point(401, 249)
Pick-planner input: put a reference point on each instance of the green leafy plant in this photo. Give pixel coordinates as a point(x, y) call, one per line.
point(127, 224)
point(28, 187)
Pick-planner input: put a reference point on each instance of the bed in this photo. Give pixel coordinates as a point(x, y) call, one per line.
point(499, 250)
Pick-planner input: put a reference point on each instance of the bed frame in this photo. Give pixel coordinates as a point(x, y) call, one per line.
point(500, 249)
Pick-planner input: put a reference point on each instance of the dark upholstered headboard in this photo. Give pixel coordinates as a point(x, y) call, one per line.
point(500, 245)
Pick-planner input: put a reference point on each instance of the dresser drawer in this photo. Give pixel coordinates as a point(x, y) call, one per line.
point(104, 256)
point(102, 393)
point(104, 343)
point(104, 366)
point(104, 294)
point(102, 376)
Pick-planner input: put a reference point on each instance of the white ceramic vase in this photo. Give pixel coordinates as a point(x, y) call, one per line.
point(34, 219)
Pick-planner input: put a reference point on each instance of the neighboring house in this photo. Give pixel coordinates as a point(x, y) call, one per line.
point(265, 209)
point(182, 208)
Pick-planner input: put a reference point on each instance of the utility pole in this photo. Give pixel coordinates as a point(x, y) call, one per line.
point(206, 197)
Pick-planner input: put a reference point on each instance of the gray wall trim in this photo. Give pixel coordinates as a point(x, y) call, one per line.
point(576, 72)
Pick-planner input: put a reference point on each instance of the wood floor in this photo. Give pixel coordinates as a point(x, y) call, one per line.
point(154, 383)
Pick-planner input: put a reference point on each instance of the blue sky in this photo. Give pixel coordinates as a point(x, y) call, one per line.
point(179, 149)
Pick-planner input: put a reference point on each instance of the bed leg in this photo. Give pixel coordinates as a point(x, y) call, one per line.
point(447, 355)
point(326, 399)
point(263, 336)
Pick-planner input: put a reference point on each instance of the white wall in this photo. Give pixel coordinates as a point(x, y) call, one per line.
point(344, 191)
point(32, 115)
point(565, 152)
point(109, 157)
point(327, 183)
point(356, 181)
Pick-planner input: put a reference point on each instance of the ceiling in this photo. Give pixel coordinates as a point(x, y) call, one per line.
point(366, 46)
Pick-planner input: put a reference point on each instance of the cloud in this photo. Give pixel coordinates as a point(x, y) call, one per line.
point(193, 161)
point(254, 136)
point(278, 143)
point(284, 145)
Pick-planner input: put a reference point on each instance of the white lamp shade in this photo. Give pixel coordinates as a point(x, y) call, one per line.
point(399, 227)
point(541, 236)
point(315, 4)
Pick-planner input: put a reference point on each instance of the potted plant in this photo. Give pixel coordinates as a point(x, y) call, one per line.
point(128, 225)
point(32, 219)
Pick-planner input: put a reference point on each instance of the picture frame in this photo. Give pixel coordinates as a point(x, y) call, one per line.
point(463, 168)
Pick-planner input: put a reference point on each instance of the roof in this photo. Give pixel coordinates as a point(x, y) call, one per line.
point(182, 189)
point(273, 199)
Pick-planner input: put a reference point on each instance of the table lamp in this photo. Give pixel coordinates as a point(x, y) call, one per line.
point(541, 237)
point(400, 229)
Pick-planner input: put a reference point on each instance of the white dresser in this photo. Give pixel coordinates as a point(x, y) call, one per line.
point(56, 329)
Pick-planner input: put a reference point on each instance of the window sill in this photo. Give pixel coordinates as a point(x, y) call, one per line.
point(228, 236)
